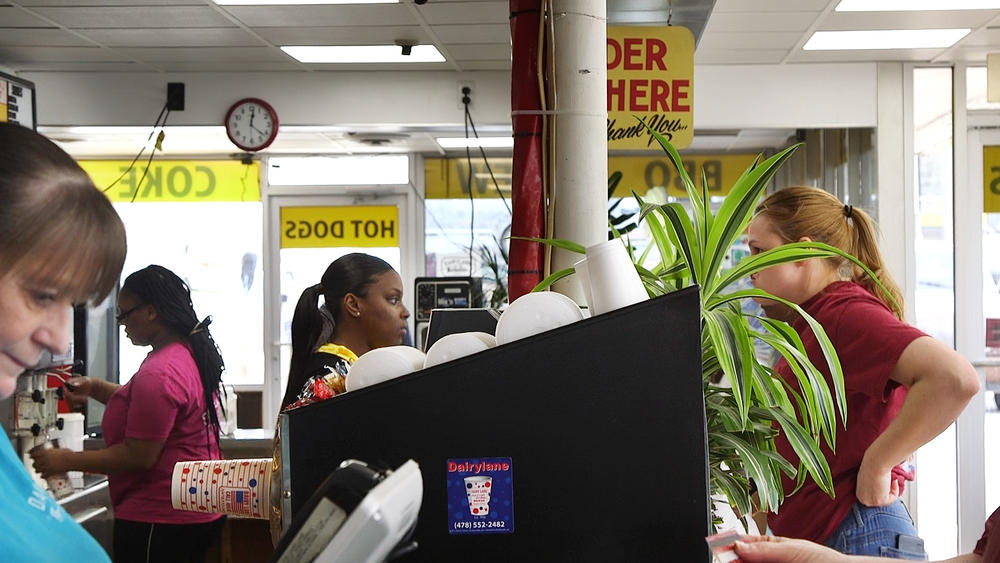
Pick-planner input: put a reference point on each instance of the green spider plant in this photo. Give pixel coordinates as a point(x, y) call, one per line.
point(746, 403)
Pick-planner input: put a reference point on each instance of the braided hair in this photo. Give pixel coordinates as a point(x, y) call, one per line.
point(314, 326)
point(171, 296)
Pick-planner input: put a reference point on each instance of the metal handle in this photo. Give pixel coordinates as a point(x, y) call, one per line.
point(83, 517)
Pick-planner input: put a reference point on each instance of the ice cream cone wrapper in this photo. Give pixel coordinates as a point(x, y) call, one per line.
point(237, 487)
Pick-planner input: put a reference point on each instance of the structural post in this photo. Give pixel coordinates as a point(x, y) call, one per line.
point(581, 144)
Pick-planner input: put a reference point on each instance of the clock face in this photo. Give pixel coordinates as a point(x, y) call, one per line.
point(251, 124)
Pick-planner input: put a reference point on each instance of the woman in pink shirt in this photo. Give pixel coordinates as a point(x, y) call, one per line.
point(166, 413)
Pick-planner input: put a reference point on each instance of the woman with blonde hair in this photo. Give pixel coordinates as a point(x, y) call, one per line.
point(902, 387)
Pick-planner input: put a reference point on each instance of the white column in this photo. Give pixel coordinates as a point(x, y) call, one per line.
point(581, 150)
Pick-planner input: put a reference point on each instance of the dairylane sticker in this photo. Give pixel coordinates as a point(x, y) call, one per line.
point(480, 495)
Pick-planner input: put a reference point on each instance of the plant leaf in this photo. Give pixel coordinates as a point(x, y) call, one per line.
point(737, 209)
point(682, 234)
point(553, 278)
point(809, 454)
point(558, 243)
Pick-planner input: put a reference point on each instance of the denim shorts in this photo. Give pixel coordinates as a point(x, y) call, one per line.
point(882, 531)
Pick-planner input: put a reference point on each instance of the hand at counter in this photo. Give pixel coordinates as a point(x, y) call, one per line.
point(771, 549)
point(50, 462)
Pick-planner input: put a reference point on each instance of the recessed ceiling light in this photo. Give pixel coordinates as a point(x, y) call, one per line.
point(914, 5)
point(485, 142)
point(884, 39)
point(298, 2)
point(362, 54)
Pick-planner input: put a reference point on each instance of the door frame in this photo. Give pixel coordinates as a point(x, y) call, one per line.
point(406, 197)
point(970, 332)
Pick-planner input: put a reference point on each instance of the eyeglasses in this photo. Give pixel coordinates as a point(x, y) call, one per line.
point(120, 317)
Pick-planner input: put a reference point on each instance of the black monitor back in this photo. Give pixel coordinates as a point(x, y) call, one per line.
point(603, 421)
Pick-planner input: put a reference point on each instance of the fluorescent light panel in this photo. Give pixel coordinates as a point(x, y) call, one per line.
point(884, 39)
point(914, 5)
point(362, 54)
point(298, 2)
point(485, 142)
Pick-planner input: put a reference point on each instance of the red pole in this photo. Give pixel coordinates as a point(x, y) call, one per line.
point(526, 259)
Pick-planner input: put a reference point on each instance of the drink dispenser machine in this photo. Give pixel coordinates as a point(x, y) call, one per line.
point(442, 293)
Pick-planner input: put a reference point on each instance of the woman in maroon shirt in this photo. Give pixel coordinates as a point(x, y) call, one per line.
point(902, 387)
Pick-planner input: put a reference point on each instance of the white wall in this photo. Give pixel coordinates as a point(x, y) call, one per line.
point(787, 96)
point(319, 98)
point(726, 97)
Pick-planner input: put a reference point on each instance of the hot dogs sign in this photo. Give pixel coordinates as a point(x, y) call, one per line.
point(650, 76)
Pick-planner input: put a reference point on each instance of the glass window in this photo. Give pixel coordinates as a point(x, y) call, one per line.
point(975, 89)
point(216, 248)
point(338, 170)
point(467, 235)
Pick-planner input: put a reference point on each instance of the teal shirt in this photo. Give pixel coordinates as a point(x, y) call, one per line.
point(33, 527)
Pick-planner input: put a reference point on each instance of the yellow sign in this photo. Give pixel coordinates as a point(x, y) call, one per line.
point(640, 173)
point(176, 180)
point(991, 179)
point(337, 226)
point(448, 178)
point(651, 77)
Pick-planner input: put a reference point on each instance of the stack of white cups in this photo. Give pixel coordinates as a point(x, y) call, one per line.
point(609, 278)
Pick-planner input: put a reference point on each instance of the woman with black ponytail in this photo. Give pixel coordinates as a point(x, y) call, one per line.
point(362, 309)
point(166, 413)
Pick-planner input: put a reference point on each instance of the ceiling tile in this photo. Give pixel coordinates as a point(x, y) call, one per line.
point(59, 54)
point(907, 20)
point(76, 66)
point(754, 21)
point(15, 17)
point(227, 66)
point(172, 37)
point(734, 40)
point(41, 38)
point(205, 54)
point(437, 13)
point(93, 3)
point(346, 35)
point(473, 33)
point(983, 38)
point(323, 16)
point(480, 51)
point(770, 5)
point(135, 16)
point(738, 56)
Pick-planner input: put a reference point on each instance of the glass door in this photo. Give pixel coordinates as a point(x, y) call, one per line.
point(307, 233)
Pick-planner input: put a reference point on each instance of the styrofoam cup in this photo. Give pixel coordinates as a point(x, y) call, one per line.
point(533, 313)
point(453, 346)
point(383, 364)
point(239, 487)
point(614, 282)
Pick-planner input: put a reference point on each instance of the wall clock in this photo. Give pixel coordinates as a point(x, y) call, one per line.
point(251, 124)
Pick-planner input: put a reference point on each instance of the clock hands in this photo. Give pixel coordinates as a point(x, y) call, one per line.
point(253, 111)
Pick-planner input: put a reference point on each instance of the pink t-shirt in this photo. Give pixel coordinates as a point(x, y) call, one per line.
point(163, 402)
